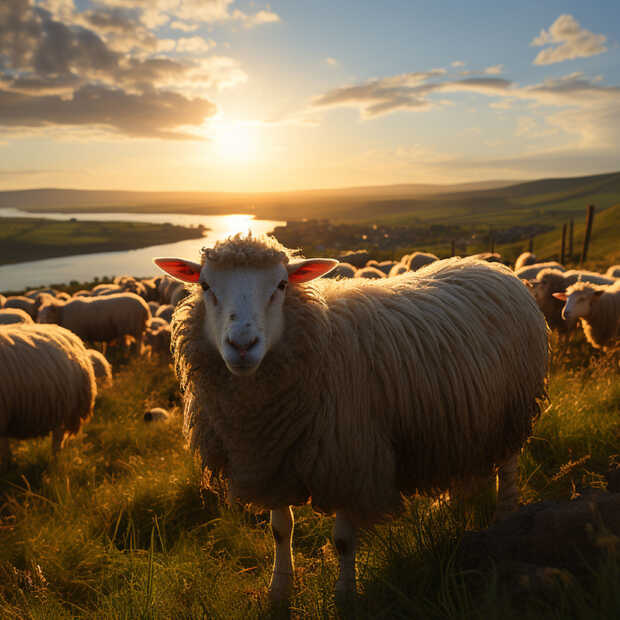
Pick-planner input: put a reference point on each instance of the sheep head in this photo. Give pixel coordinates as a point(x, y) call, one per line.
point(578, 301)
point(244, 315)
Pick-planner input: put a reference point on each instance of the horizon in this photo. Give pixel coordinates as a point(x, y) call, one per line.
point(237, 96)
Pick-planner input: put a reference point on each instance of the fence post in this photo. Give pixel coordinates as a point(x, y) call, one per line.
point(586, 239)
point(570, 239)
point(563, 250)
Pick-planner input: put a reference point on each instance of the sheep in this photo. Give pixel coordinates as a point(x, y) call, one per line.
point(491, 257)
point(9, 316)
point(100, 318)
point(2, 301)
point(23, 303)
point(180, 293)
point(397, 269)
point(419, 259)
point(598, 307)
point(165, 312)
point(48, 385)
point(524, 259)
point(385, 266)
point(371, 273)
point(157, 414)
point(158, 340)
point(34, 293)
point(63, 296)
point(531, 271)
point(156, 322)
point(150, 289)
point(357, 258)
point(101, 367)
point(82, 293)
point(341, 270)
point(167, 287)
point(580, 275)
point(613, 271)
point(349, 393)
point(106, 289)
point(153, 305)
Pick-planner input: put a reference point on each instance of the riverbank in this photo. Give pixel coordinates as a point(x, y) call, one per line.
point(29, 239)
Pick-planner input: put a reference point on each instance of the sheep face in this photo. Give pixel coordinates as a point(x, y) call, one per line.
point(577, 304)
point(244, 314)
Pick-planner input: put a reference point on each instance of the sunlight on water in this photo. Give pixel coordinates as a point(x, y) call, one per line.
point(86, 267)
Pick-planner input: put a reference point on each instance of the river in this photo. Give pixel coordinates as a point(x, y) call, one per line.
point(85, 267)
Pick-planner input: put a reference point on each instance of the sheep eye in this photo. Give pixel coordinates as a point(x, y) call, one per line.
point(283, 284)
point(205, 286)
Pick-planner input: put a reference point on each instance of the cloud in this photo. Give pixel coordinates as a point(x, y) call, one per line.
point(194, 45)
point(177, 25)
point(567, 40)
point(331, 61)
point(458, 63)
point(494, 70)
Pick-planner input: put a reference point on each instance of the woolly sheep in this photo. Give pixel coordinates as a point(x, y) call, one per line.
point(491, 257)
point(157, 414)
point(23, 303)
point(2, 300)
point(397, 269)
point(165, 312)
point(150, 289)
point(598, 307)
point(48, 385)
point(101, 367)
point(371, 273)
point(153, 305)
point(531, 271)
point(82, 293)
point(349, 393)
point(419, 259)
point(613, 271)
point(156, 322)
point(167, 287)
point(357, 258)
point(341, 270)
point(179, 294)
point(579, 275)
point(158, 340)
point(63, 296)
point(385, 266)
point(106, 289)
point(525, 258)
point(9, 316)
point(101, 318)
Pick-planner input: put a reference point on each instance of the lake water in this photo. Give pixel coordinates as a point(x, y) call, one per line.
point(85, 267)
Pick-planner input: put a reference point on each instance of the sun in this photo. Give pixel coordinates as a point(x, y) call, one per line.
point(235, 142)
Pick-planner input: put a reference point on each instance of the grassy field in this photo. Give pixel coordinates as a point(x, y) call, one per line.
point(25, 239)
point(118, 528)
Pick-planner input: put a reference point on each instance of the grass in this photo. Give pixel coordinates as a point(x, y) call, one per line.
point(26, 239)
point(119, 527)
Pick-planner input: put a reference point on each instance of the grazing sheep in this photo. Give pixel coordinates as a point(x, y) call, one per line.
point(10, 316)
point(357, 258)
point(397, 269)
point(158, 340)
point(349, 393)
point(157, 414)
point(419, 259)
point(150, 289)
point(531, 271)
point(598, 307)
point(47, 385)
point(165, 312)
point(341, 270)
point(101, 367)
point(23, 303)
point(371, 273)
point(100, 318)
point(613, 271)
point(525, 258)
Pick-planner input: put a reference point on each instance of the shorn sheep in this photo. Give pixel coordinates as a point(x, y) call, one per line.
point(598, 308)
point(348, 393)
point(101, 318)
point(48, 384)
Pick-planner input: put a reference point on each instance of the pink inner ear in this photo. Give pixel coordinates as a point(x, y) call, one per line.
point(309, 271)
point(178, 269)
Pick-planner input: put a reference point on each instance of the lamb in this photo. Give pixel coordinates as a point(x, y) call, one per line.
point(370, 273)
point(419, 259)
point(10, 316)
point(598, 308)
point(531, 271)
point(525, 258)
point(349, 393)
point(48, 385)
point(613, 271)
point(100, 318)
point(101, 368)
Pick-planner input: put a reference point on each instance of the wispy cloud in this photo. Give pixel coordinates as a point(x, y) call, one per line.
point(331, 61)
point(567, 40)
point(494, 70)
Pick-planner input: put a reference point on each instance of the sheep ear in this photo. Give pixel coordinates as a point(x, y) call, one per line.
point(560, 296)
point(179, 268)
point(310, 269)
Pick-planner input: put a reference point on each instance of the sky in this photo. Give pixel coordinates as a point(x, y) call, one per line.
point(237, 95)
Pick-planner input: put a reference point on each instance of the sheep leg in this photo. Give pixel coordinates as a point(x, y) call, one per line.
point(344, 541)
point(508, 489)
point(281, 585)
point(5, 454)
point(58, 438)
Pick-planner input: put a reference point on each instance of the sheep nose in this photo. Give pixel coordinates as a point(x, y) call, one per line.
point(242, 347)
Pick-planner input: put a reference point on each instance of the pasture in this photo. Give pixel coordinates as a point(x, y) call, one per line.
point(118, 527)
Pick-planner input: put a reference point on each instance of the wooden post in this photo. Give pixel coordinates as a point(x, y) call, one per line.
point(530, 247)
point(586, 239)
point(563, 250)
point(452, 248)
point(570, 239)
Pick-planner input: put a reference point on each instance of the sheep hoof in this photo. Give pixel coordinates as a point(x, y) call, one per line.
point(280, 588)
